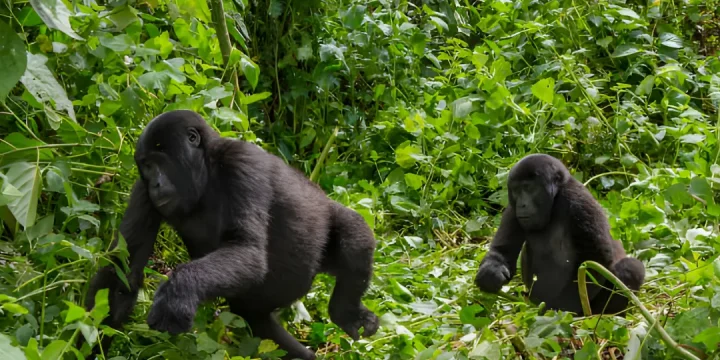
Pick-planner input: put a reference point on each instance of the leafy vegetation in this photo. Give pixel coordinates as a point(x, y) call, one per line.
point(424, 105)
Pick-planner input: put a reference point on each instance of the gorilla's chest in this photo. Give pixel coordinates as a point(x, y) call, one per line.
point(552, 252)
point(201, 233)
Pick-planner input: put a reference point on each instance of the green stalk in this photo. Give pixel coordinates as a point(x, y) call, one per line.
point(582, 287)
point(323, 155)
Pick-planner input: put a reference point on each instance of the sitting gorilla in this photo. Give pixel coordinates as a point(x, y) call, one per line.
point(257, 230)
point(561, 226)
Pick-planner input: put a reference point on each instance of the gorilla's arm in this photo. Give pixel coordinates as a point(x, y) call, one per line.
point(588, 225)
point(139, 227)
point(499, 264)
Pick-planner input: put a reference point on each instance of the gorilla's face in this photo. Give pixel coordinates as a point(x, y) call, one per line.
point(170, 159)
point(532, 186)
point(532, 200)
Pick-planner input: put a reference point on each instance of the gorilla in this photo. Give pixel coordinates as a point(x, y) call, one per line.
point(560, 225)
point(257, 230)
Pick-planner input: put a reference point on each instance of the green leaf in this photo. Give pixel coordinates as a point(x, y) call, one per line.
point(74, 312)
point(671, 40)
point(13, 59)
point(15, 308)
point(405, 154)
point(250, 70)
point(41, 83)
point(487, 349)
point(692, 138)
point(461, 108)
point(625, 50)
point(472, 315)
point(54, 351)
point(255, 98)
point(353, 17)
point(588, 351)
point(8, 351)
point(544, 90)
point(206, 344)
point(55, 15)
point(645, 87)
point(414, 181)
point(26, 178)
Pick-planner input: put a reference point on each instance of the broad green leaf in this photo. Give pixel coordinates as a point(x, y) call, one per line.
point(8, 193)
point(119, 43)
point(473, 315)
point(54, 351)
point(692, 138)
point(255, 98)
point(645, 87)
point(414, 181)
point(439, 23)
point(55, 15)
point(461, 108)
point(250, 70)
point(26, 178)
point(41, 83)
point(489, 350)
point(671, 40)
point(8, 351)
point(353, 17)
point(13, 59)
point(405, 155)
point(628, 13)
point(544, 90)
point(74, 312)
point(625, 50)
point(206, 344)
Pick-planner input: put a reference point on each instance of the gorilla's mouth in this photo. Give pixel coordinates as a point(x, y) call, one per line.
point(162, 202)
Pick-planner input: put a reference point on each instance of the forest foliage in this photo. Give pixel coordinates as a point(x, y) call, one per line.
point(421, 108)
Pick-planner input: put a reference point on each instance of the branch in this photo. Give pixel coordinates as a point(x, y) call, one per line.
point(582, 287)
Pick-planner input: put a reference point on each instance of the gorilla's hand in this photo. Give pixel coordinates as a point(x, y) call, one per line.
point(173, 309)
point(492, 275)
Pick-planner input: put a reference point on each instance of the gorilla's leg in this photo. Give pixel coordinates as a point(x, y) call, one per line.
point(349, 258)
point(632, 273)
point(267, 327)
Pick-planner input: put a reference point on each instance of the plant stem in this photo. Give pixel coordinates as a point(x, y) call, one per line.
point(582, 287)
point(323, 155)
point(218, 18)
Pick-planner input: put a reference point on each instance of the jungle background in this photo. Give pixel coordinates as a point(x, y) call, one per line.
point(411, 113)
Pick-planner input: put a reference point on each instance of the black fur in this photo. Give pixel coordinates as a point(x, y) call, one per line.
point(561, 226)
point(257, 230)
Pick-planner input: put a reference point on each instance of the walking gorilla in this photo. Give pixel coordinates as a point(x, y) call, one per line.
point(257, 230)
point(561, 225)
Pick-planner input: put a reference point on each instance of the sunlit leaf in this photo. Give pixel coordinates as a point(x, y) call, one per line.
point(8, 351)
point(55, 15)
point(671, 40)
point(25, 177)
point(625, 50)
point(41, 83)
point(250, 70)
point(544, 90)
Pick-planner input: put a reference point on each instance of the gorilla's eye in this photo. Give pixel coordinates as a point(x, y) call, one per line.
point(193, 136)
point(158, 147)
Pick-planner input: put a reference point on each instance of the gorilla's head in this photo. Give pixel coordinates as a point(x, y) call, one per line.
point(171, 158)
point(532, 185)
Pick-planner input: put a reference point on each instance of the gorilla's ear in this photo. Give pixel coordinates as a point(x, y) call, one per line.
point(193, 137)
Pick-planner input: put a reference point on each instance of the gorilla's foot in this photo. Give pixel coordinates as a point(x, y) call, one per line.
point(352, 321)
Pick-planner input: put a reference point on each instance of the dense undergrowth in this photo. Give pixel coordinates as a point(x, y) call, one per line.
point(432, 102)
